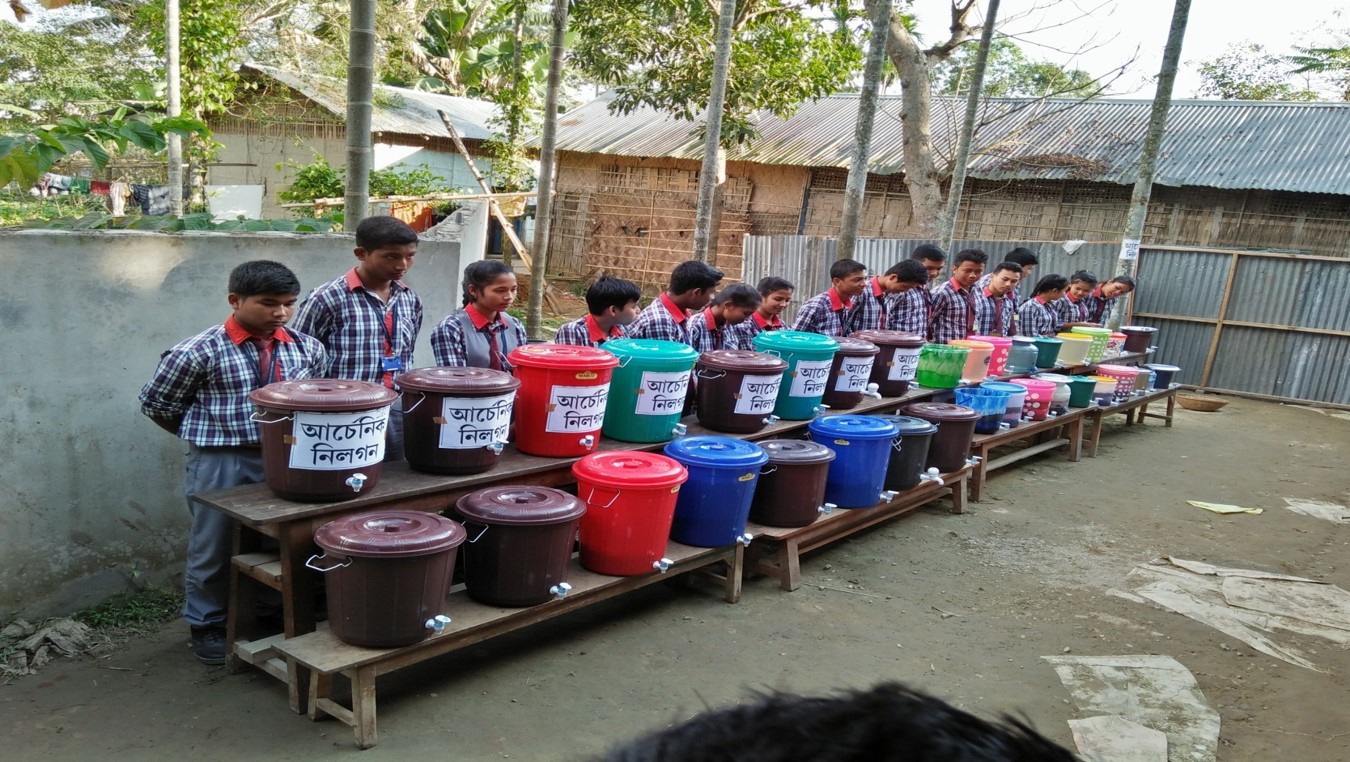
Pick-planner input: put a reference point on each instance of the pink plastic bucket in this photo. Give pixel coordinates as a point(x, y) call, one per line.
point(1124, 376)
point(998, 360)
point(1036, 405)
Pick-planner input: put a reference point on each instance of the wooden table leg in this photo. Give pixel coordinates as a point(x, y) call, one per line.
point(959, 495)
point(1095, 439)
point(297, 601)
point(1143, 413)
point(789, 566)
point(981, 471)
point(735, 570)
point(1075, 433)
point(363, 707)
point(240, 613)
point(1171, 404)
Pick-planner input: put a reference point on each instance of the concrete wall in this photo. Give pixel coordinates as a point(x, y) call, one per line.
point(92, 493)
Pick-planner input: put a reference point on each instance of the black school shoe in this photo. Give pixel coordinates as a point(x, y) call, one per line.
point(208, 645)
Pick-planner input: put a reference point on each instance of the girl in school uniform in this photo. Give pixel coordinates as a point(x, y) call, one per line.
point(480, 334)
point(1037, 316)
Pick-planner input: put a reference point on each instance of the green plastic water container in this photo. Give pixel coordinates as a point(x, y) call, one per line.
point(1099, 338)
point(809, 357)
point(940, 366)
point(648, 389)
point(1080, 390)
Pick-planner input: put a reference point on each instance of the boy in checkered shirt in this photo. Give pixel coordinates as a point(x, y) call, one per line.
point(832, 313)
point(692, 284)
point(611, 304)
point(953, 304)
point(199, 393)
point(714, 327)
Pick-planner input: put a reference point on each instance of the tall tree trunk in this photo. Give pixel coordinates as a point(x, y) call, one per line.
point(710, 179)
point(921, 172)
point(1148, 156)
point(360, 89)
point(543, 222)
point(947, 224)
point(855, 188)
point(175, 105)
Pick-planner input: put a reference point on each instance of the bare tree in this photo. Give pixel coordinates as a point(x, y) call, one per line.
point(712, 177)
point(543, 224)
point(854, 189)
point(947, 223)
point(360, 97)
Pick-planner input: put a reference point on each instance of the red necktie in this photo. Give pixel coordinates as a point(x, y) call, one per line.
point(265, 365)
point(494, 355)
point(998, 317)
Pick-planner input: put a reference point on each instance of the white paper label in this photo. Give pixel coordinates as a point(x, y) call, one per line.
point(1129, 249)
point(904, 364)
point(758, 395)
point(853, 374)
point(338, 441)
point(809, 377)
point(576, 409)
point(471, 423)
point(662, 393)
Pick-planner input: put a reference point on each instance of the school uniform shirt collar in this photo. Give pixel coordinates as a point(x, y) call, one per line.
point(709, 320)
point(836, 302)
point(354, 281)
point(1070, 298)
point(1097, 292)
point(877, 290)
point(765, 324)
point(597, 335)
point(238, 335)
point(676, 314)
point(479, 319)
point(957, 287)
point(989, 292)
point(1041, 300)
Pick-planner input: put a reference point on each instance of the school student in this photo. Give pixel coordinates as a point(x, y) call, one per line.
point(1022, 257)
point(480, 334)
point(199, 393)
point(910, 311)
point(831, 313)
point(775, 294)
point(876, 304)
point(691, 287)
point(953, 304)
point(713, 327)
point(1036, 316)
point(1072, 308)
point(996, 302)
point(611, 304)
point(1104, 296)
point(368, 319)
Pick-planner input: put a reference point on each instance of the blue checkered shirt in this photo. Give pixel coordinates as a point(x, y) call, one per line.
point(870, 310)
point(990, 310)
point(1037, 318)
point(656, 322)
point(742, 335)
point(1016, 293)
point(1098, 307)
point(705, 339)
point(350, 321)
point(206, 380)
point(1070, 311)
point(579, 332)
point(909, 311)
point(818, 315)
point(952, 316)
point(447, 340)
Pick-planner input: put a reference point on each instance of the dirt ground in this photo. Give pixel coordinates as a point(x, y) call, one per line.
point(1025, 573)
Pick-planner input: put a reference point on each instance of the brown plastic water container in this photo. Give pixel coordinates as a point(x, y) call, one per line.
point(388, 574)
point(737, 389)
point(456, 420)
point(322, 439)
point(851, 373)
point(520, 543)
point(791, 487)
point(895, 366)
point(1138, 338)
point(950, 446)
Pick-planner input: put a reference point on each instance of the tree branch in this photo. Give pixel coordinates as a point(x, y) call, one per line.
point(960, 32)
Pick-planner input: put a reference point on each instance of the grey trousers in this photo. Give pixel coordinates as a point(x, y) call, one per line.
point(393, 434)
point(206, 578)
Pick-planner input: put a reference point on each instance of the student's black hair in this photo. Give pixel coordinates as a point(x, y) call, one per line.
point(374, 232)
point(1127, 280)
point(608, 291)
point(1050, 283)
point(263, 277)
point(740, 295)
point(887, 722)
point(693, 274)
point(909, 271)
point(1083, 276)
point(774, 283)
point(930, 252)
point(1011, 267)
point(969, 255)
point(1022, 256)
point(842, 268)
point(482, 274)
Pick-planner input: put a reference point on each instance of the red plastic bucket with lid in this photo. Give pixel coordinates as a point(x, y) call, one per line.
point(851, 373)
point(1040, 394)
point(630, 504)
point(1124, 377)
point(322, 439)
point(737, 389)
point(520, 543)
point(388, 574)
point(560, 407)
point(456, 420)
point(894, 368)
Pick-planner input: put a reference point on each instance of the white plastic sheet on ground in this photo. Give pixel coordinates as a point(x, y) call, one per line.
point(1318, 509)
point(1111, 738)
point(1154, 691)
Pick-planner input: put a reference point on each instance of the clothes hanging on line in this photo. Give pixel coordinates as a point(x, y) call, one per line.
point(118, 193)
point(99, 187)
point(153, 199)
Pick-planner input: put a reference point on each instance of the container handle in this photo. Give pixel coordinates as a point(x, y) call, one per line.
point(254, 417)
point(479, 535)
point(590, 499)
point(623, 361)
point(423, 398)
point(321, 570)
point(774, 352)
point(767, 470)
point(700, 373)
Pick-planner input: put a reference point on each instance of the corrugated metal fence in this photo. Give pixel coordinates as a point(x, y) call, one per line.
point(1245, 321)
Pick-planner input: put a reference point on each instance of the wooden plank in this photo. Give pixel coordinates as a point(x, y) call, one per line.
point(1223, 311)
point(493, 205)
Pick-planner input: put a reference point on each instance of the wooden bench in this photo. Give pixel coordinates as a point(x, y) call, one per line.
point(1135, 408)
point(1071, 423)
point(313, 660)
point(776, 551)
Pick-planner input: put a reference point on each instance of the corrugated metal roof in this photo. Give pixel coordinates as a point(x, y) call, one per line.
point(1301, 147)
point(397, 110)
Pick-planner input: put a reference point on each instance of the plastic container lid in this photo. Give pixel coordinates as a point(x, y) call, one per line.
point(1090, 330)
point(796, 451)
point(795, 341)
point(971, 344)
point(476, 381)
point(1082, 380)
point(1024, 340)
point(910, 426)
point(1073, 337)
point(1118, 369)
point(1163, 368)
point(742, 360)
point(652, 349)
point(940, 411)
point(1057, 378)
point(854, 427)
point(725, 452)
point(520, 506)
point(562, 357)
point(852, 347)
point(323, 396)
point(995, 340)
point(1138, 328)
point(389, 534)
point(890, 338)
point(1003, 386)
point(1048, 340)
point(625, 468)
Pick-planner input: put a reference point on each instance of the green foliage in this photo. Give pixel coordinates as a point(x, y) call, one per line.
point(1247, 71)
point(320, 179)
point(406, 181)
point(169, 224)
point(25, 157)
point(19, 207)
point(660, 54)
point(1009, 74)
point(1332, 63)
point(139, 610)
point(211, 43)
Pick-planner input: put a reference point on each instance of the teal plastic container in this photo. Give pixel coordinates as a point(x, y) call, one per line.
point(648, 389)
point(809, 357)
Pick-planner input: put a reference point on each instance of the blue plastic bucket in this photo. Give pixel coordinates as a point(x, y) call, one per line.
point(714, 504)
point(991, 404)
point(862, 447)
point(1012, 413)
